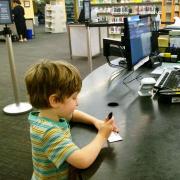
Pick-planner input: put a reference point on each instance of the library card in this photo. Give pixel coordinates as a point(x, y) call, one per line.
point(114, 136)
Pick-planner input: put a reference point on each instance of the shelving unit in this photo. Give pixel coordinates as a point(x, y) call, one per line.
point(70, 10)
point(55, 18)
point(114, 11)
point(170, 9)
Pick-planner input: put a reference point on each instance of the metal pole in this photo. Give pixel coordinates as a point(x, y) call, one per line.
point(89, 50)
point(17, 107)
point(99, 29)
point(69, 37)
point(12, 67)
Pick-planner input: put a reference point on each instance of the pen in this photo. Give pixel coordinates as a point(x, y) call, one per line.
point(110, 115)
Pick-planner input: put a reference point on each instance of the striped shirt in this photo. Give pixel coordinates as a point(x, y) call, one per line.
point(51, 146)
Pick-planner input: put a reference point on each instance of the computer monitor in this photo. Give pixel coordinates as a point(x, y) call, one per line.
point(81, 16)
point(137, 40)
point(85, 14)
point(5, 12)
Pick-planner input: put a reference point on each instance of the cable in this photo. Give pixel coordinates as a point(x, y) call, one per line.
point(130, 73)
point(116, 50)
point(115, 65)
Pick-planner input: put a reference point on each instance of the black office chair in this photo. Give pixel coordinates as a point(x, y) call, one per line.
point(113, 47)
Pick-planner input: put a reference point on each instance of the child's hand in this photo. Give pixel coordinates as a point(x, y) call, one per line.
point(106, 128)
point(99, 123)
point(115, 128)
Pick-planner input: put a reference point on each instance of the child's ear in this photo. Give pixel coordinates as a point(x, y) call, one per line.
point(53, 100)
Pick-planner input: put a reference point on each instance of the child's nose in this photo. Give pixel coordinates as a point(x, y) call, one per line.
point(77, 103)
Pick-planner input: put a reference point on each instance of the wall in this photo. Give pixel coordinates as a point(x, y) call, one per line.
point(28, 8)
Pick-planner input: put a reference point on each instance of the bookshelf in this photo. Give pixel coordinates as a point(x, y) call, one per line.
point(170, 9)
point(114, 11)
point(55, 17)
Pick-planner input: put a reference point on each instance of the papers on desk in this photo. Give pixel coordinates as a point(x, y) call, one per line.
point(176, 25)
point(172, 27)
point(175, 42)
point(114, 136)
point(159, 70)
point(174, 38)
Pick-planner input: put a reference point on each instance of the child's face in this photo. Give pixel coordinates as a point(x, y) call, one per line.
point(69, 105)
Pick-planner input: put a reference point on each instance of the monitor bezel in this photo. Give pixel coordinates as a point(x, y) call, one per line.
point(127, 43)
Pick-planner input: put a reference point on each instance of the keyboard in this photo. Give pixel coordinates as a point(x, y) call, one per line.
point(169, 79)
point(173, 80)
point(160, 81)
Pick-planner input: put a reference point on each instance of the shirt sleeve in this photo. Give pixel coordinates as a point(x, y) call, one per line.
point(58, 146)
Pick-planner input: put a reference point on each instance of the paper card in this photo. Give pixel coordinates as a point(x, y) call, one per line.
point(114, 136)
point(175, 42)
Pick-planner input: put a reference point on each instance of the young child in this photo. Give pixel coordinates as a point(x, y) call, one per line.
point(53, 88)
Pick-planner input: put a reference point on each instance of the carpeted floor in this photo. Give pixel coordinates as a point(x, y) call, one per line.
point(15, 147)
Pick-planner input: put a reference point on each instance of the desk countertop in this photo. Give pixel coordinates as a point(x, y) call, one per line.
point(97, 24)
point(150, 130)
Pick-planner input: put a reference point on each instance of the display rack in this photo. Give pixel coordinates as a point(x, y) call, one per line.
point(55, 18)
point(114, 11)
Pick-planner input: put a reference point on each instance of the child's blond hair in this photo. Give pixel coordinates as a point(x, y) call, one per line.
point(51, 77)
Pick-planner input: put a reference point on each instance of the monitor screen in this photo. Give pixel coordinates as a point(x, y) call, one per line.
point(137, 36)
point(5, 12)
point(87, 10)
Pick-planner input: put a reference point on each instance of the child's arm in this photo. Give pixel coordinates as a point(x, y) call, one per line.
point(79, 116)
point(84, 157)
